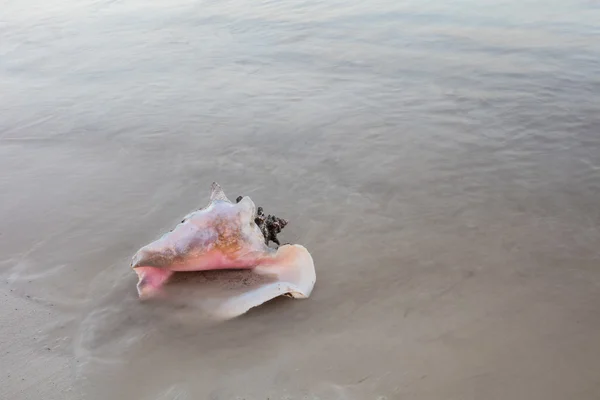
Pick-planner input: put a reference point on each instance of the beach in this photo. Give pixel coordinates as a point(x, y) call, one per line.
point(439, 160)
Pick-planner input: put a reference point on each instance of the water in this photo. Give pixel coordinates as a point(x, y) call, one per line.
point(440, 160)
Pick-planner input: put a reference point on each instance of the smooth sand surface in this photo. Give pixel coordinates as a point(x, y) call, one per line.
point(31, 368)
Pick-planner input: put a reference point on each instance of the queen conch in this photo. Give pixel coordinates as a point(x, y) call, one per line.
point(224, 236)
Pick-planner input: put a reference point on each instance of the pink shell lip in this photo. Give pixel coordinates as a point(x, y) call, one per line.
point(151, 281)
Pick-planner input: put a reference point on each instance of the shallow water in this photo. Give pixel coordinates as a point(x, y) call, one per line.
point(440, 160)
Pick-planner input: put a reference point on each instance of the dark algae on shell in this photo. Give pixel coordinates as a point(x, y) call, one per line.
point(269, 225)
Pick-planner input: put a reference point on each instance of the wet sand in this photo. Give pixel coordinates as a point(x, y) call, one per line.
point(440, 162)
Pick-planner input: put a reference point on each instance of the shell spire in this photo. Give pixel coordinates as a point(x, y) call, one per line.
point(217, 193)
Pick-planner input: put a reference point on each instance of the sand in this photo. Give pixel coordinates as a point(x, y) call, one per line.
point(439, 160)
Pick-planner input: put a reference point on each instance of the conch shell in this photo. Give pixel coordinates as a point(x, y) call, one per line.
point(224, 236)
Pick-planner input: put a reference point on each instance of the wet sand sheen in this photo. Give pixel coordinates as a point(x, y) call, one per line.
point(440, 162)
